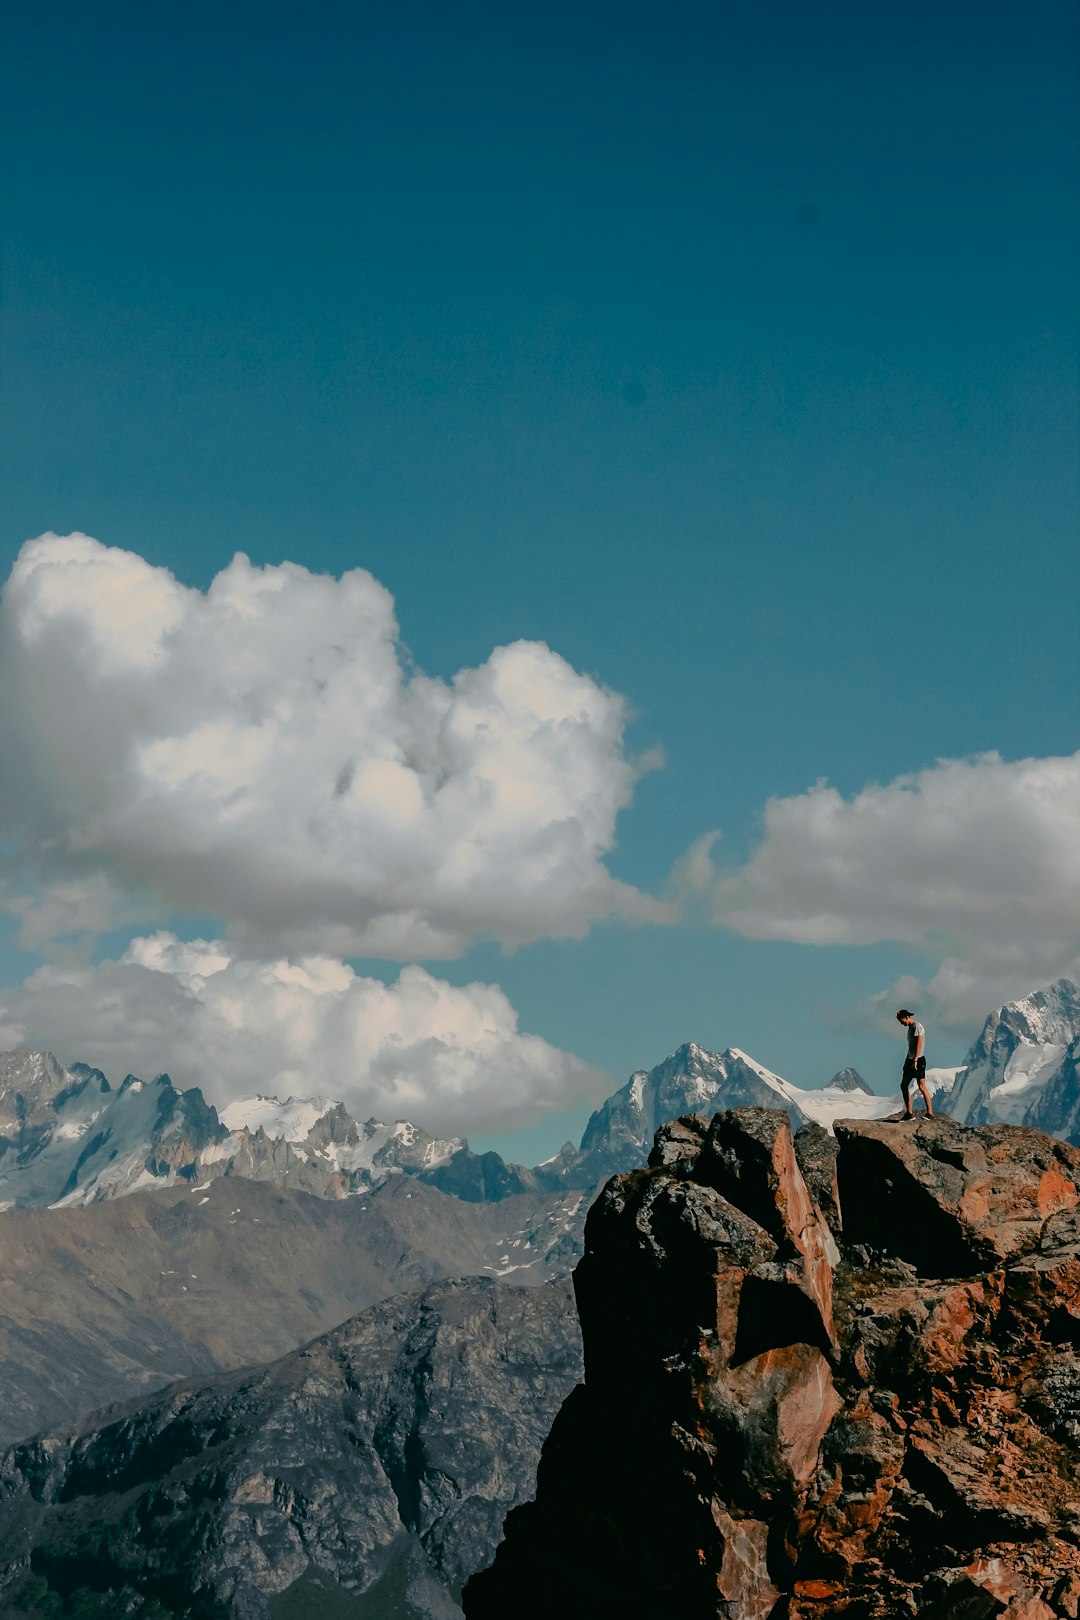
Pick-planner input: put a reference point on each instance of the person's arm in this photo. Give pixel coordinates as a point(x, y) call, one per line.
point(920, 1043)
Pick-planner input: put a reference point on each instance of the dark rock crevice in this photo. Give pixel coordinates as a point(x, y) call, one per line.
point(889, 1209)
point(774, 1316)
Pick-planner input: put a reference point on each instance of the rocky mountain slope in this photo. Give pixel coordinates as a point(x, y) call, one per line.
point(366, 1475)
point(103, 1303)
point(862, 1403)
point(1024, 1069)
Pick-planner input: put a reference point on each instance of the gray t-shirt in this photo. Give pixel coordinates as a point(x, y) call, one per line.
point(915, 1034)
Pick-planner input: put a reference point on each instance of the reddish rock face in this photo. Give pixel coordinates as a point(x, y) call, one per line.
point(774, 1426)
point(951, 1200)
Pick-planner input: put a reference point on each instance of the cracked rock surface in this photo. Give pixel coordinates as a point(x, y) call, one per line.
point(821, 1380)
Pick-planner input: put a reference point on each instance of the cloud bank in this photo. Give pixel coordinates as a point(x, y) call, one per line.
point(450, 1058)
point(975, 862)
point(260, 752)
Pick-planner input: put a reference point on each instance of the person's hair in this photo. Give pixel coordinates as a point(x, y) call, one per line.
point(905, 1013)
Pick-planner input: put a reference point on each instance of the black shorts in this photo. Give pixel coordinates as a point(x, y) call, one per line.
point(914, 1069)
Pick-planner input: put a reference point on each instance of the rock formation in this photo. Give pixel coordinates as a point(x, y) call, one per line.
point(862, 1403)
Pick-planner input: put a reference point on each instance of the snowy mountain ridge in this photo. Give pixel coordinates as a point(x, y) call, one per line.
point(693, 1080)
point(374, 1148)
point(68, 1137)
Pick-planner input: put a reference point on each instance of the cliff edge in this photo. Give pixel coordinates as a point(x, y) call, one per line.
point(822, 1379)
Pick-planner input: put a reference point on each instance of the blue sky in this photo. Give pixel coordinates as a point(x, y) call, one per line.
point(730, 351)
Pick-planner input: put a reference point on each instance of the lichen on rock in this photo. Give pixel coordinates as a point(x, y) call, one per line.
point(817, 1384)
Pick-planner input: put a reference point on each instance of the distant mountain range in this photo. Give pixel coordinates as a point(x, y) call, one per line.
point(68, 1137)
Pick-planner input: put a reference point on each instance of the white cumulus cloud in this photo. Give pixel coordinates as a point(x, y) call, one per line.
point(976, 862)
point(261, 752)
point(451, 1058)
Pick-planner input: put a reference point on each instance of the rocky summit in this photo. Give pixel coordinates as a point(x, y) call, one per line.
point(824, 1376)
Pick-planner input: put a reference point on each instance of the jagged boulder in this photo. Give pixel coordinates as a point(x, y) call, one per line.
point(950, 1200)
point(774, 1424)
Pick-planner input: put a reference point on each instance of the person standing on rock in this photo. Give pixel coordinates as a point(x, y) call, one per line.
point(914, 1063)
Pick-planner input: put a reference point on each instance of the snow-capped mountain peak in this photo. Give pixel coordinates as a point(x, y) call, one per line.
point(67, 1136)
point(847, 1080)
point(695, 1081)
point(324, 1140)
point(1024, 1069)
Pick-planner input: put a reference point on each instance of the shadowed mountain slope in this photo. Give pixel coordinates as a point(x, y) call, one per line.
point(366, 1475)
point(100, 1303)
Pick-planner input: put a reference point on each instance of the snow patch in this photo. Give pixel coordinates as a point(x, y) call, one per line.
point(831, 1103)
point(70, 1130)
point(294, 1119)
point(1026, 1073)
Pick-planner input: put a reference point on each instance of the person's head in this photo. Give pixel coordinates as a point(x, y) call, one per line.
point(905, 1017)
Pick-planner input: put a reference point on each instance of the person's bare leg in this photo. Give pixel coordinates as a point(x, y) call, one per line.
point(926, 1099)
point(905, 1092)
